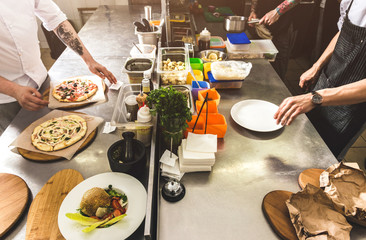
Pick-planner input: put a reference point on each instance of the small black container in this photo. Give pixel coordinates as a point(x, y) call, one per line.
point(127, 155)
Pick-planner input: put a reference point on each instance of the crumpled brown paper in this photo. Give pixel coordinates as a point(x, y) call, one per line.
point(346, 186)
point(314, 217)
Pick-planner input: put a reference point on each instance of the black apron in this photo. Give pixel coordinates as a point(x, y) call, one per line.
point(338, 125)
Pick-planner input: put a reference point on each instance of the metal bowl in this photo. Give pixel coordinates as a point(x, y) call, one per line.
point(235, 23)
point(212, 56)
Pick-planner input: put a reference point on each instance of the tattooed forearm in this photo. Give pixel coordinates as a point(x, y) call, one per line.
point(254, 6)
point(286, 5)
point(67, 37)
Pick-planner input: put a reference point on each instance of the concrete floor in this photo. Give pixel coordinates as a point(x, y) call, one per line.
point(357, 153)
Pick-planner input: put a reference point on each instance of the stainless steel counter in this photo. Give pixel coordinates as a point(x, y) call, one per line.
point(226, 203)
point(109, 36)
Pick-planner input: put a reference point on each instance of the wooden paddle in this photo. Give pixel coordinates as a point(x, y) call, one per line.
point(14, 195)
point(311, 176)
point(43, 212)
point(276, 212)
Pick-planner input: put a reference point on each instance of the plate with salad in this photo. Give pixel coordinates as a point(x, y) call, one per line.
point(108, 204)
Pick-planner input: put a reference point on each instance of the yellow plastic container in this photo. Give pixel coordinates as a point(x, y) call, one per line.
point(206, 68)
point(197, 73)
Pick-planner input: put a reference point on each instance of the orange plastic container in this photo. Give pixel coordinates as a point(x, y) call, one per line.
point(212, 107)
point(213, 95)
point(216, 124)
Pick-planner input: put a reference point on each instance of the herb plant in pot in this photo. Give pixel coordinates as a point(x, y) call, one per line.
point(172, 108)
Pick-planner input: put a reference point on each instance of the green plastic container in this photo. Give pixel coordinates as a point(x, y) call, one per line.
point(196, 63)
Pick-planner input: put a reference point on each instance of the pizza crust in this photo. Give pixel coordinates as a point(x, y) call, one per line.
point(74, 90)
point(59, 133)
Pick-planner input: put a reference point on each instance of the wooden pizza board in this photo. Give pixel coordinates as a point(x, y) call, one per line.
point(312, 176)
point(46, 96)
point(43, 157)
point(43, 213)
point(14, 195)
point(276, 212)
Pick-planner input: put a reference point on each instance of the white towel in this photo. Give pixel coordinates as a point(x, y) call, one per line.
point(191, 168)
point(201, 143)
point(194, 158)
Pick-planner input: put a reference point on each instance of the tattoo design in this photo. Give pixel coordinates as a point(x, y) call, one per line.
point(69, 39)
point(254, 6)
point(286, 5)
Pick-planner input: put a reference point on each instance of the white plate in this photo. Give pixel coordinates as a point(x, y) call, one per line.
point(255, 115)
point(136, 210)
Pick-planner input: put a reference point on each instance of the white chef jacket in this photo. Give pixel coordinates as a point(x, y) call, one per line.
point(357, 13)
point(20, 56)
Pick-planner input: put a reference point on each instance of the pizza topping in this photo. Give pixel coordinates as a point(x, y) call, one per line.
point(61, 133)
point(74, 90)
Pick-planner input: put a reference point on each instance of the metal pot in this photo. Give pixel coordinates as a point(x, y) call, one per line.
point(235, 23)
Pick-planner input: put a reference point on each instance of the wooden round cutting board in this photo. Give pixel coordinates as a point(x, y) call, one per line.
point(43, 213)
point(311, 176)
point(46, 96)
point(14, 195)
point(36, 156)
point(276, 212)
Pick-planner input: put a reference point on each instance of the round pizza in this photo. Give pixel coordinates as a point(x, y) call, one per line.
point(74, 90)
point(59, 133)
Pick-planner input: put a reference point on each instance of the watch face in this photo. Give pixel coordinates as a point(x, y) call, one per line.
point(317, 98)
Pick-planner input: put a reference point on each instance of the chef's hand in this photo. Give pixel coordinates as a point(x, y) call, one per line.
point(252, 16)
point(291, 107)
point(270, 17)
point(309, 77)
point(29, 98)
point(101, 71)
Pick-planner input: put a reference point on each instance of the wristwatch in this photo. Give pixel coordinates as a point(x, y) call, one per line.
point(316, 99)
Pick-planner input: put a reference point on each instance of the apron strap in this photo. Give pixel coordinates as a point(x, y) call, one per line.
point(349, 7)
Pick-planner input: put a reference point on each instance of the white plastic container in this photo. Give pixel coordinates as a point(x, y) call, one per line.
point(262, 48)
point(174, 54)
point(238, 47)
point(230, 70)
point(148, 51)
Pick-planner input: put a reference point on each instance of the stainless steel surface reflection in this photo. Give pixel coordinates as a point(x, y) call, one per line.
point(226, 203)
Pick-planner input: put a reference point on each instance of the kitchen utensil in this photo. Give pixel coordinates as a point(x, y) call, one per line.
point(140, 27)
point(127, 155)
point(43, 212)
point(13, 190)
point(146, 24)
point(207, 57)
point(277, 215)
point(253, 21)
point(194, 76)
point(235, 23)
point(137, 47)
point(147, 10)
